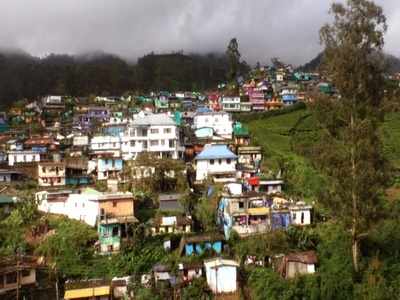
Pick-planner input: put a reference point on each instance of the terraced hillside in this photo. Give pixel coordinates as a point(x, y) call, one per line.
point(284, 136)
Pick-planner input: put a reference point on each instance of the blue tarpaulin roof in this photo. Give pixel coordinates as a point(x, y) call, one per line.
point(203, 110)
point(216, 152)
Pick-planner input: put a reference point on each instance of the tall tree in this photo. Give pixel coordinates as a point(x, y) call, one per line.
point(233, 55)
point(350, 148)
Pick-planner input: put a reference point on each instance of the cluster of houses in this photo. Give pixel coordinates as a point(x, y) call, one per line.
point(68, 145)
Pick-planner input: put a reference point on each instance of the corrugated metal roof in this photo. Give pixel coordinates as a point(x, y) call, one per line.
point(219, 262)
point(216, 152)
point(88, 292)
point(153, 119)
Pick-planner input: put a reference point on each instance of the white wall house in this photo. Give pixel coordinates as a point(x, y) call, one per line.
point(230, 104)
point(51, 174)
point(52, 99)
point(221, 275)
point(221, 122)
point(105, 143)
point(82, 206)
point(215, 160)
point(300, 214)
point(155, 133)
point(22, 157)
point(80, 140)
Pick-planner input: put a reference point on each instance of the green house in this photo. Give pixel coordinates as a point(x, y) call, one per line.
point(110, 237)
point(4, 127)
point(161, 103)
point(325, 88)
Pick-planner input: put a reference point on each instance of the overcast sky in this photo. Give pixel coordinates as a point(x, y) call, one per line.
point(132, 28)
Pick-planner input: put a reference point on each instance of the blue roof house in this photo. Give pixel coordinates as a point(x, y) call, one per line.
point(216, 161)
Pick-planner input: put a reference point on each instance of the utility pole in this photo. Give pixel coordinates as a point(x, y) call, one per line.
point(18, 264)
point(57, 292)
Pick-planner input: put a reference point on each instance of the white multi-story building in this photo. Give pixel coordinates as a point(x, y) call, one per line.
point(86, 206)
point(230, 104)
point(155, 133)
point(23, 156)
point(51, 173)
point(105, 143)
point(146, 132)
point(220, 122)
point(215, 161)
point(82, 206)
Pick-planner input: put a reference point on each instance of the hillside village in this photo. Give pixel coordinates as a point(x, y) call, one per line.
point(86, 159)
point(177, 169)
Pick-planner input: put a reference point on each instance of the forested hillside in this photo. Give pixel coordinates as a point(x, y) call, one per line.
point(25, 76)
point(392, 63)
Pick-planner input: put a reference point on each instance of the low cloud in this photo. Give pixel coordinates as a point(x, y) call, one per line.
point(130, 29)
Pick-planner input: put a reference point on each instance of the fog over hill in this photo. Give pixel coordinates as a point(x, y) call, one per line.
point(130, 29)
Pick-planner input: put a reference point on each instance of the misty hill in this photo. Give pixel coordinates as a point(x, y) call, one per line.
point(25, 76)
point(392, 63)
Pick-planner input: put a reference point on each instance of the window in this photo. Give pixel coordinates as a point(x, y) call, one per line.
point(113, 163)
point(241, 205)
point(132, 132)
point(162, 142)
point(228, 161)
point(154, 143)
point(114, 203)
point(219, 161)
point(144, 144)
point(171, 143)
point(167, 130)
point(26, 273)
point(107, 161)
point(211, 161)
point(24, 158)
point(154, 131)
point(59, 180)
point(114, 145)
point(302, 218)
point(11, 278)
point(115, 231)
point(43, 170)
point(144, 132)
point(132, 143)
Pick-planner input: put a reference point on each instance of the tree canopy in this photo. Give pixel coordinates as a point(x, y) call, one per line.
point(350, 150)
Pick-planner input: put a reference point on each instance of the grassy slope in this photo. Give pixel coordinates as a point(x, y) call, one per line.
point(391, 137)
point(273, 134)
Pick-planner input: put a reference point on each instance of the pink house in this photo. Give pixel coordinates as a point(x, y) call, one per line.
point(257, 100)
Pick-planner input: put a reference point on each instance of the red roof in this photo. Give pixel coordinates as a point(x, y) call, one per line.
point(39, 141)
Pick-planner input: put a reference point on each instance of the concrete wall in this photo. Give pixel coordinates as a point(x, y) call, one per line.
point(220, 122)
point(222, 279)
point(77, 206)
point(204, 167)
point(22, 157)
